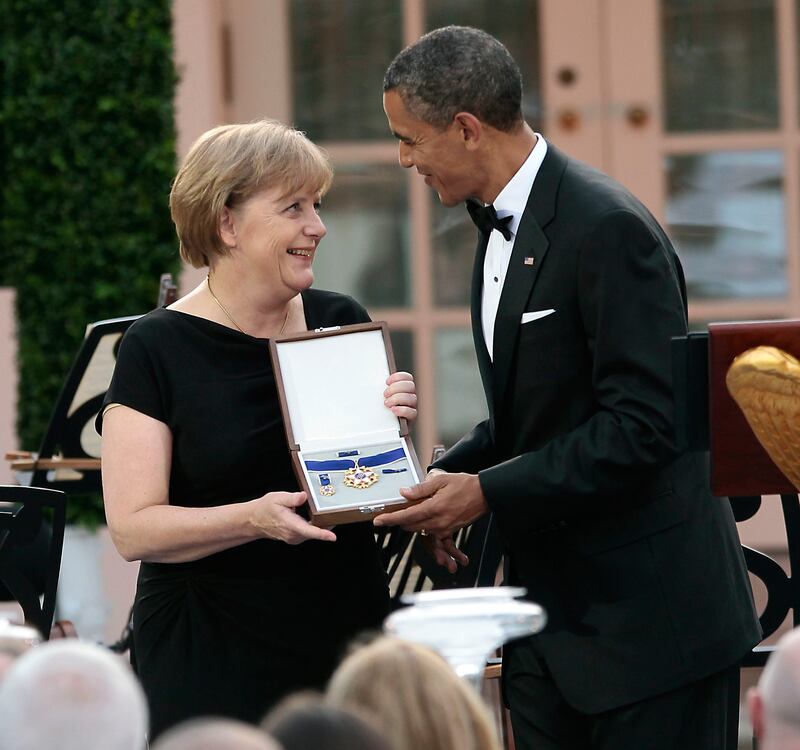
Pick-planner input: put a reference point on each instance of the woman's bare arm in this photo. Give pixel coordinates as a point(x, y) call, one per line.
point(136, 459)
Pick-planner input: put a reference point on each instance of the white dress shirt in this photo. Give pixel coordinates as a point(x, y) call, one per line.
point(510, 202)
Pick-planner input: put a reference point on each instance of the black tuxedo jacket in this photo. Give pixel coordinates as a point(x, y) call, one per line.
point(614, 533)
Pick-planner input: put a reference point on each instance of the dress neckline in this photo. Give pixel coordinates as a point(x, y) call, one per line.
point(234, 331)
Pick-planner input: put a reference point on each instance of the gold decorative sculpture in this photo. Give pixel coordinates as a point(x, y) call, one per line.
point(765, 383)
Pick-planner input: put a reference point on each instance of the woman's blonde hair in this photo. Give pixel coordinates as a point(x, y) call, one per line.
point(229, 164)
point(414, 696)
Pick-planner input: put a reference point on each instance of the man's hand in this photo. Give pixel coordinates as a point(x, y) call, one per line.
point(446, 503)
point(444, 552)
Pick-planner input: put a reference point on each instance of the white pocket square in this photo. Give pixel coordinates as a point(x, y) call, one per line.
point(529, 316)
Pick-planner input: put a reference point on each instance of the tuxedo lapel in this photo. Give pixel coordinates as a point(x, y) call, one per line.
point(530, 248)
point(520, 278)
point(482, 353)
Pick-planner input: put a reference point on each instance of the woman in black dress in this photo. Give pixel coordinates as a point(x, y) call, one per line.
point(240, 600)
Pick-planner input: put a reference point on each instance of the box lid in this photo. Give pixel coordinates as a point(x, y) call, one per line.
point(332, 382)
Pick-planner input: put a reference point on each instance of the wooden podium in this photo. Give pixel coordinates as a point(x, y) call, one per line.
point(739, 464)
point(708, 419)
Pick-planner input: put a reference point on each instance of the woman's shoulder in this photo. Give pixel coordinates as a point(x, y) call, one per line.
point(154, 325)
point(324, 308)
point(166, 332)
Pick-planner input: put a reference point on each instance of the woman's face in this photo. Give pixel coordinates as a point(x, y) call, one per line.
point(275, 237)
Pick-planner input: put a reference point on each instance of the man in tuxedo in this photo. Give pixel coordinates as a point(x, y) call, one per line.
point(576, 291)
point(775, 703)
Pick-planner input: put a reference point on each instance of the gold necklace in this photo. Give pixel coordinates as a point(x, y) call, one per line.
point(230, 317)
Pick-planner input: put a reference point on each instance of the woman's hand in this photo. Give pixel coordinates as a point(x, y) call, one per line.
point(274, 516)
point(401, 395)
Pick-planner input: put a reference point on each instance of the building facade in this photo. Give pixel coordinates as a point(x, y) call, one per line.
point(692, 104)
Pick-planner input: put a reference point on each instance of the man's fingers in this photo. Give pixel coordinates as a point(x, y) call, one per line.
point(420, 491)
point(443, 559)
point(413, 517)
point(434, 547)
point(454, 552)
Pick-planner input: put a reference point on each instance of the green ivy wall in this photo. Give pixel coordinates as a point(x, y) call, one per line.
point(86, 159)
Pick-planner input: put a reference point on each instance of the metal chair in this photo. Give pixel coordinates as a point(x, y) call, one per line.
point(32, 523)
point(411, 569)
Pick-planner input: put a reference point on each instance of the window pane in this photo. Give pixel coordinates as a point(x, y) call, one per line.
point(725, 213)
point(720, 65)
point(453, 241)
point(340, 51)
point(797, 44)
point(403, 348)
point(699, 325)
point(453, 235)
point(365, 253)
point(460, 402)
point(515, 23)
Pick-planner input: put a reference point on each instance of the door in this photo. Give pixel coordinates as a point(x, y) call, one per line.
point(690, 103)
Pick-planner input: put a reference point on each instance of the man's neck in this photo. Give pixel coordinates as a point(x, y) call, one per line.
point(507, 153)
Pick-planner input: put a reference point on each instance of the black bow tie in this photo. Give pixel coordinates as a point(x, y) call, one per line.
point(485, 218)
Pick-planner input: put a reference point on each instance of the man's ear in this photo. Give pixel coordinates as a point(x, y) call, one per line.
point(470, 129)
point(755, 707)
point(227, 227)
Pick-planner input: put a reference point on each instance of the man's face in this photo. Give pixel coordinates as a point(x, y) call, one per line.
point(438, 155)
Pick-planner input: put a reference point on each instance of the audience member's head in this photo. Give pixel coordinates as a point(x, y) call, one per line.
point(775, 704)
point(214, 734)
point(414, 697)
point(15, 640)
point(303, 721)
point(73, 696)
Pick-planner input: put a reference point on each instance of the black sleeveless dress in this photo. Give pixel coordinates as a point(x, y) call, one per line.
point(230, 634)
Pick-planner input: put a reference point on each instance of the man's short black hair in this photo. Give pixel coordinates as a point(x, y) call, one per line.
point(458, 69)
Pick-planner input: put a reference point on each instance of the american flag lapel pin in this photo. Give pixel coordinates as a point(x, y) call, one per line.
point(528, 261)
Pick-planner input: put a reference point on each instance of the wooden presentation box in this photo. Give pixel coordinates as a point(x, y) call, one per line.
point(350, 453)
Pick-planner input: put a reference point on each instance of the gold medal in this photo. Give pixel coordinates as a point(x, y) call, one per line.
point(326, 489)
point(360, 477)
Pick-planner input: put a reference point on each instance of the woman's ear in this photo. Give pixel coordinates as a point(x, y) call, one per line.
point(227, 227)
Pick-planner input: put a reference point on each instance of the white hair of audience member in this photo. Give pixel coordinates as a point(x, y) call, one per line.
point(72, 696)
point(15, 640)
point(215, 734)
point(775, 703)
